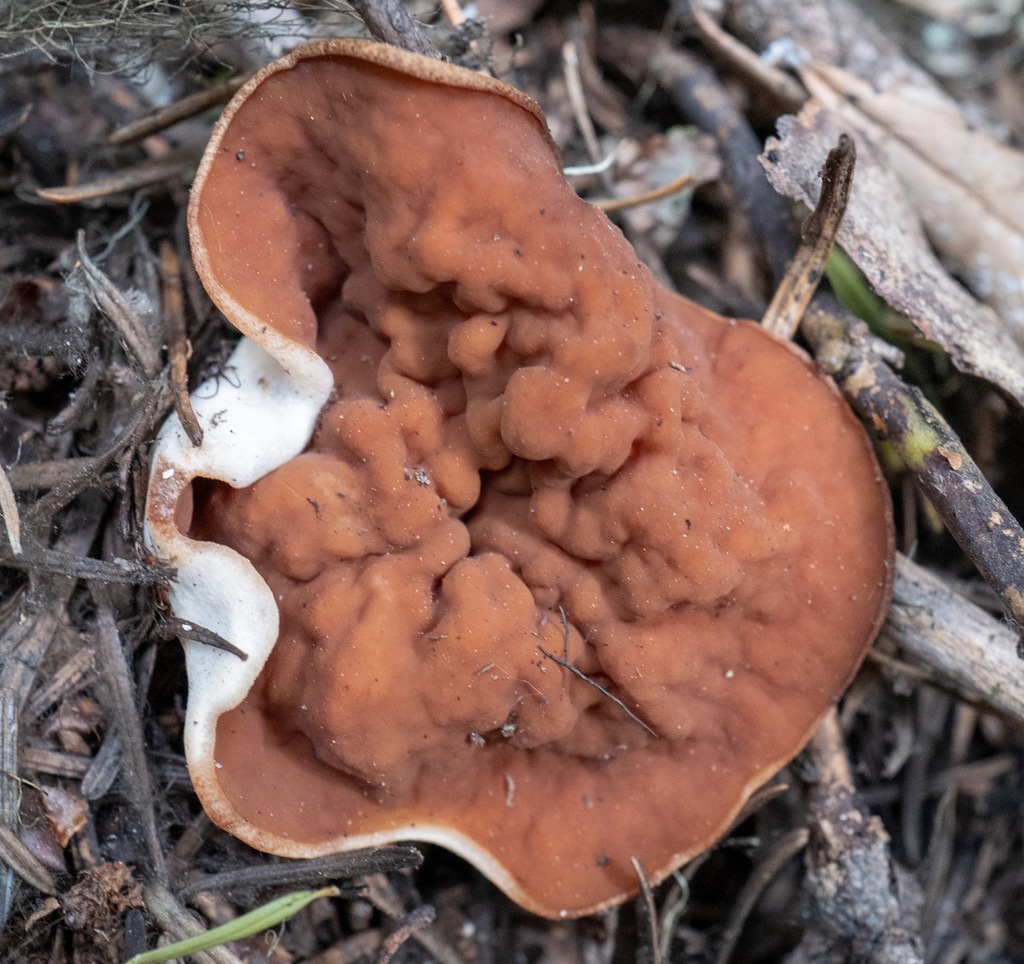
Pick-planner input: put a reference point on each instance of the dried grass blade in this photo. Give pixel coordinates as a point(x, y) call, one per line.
point(24, 863)
point(9, 508)
point(609, 205)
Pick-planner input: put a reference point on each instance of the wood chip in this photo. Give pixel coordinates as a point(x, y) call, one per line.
point(66, 678)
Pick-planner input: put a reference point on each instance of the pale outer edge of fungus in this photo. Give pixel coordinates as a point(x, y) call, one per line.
point(257, 415)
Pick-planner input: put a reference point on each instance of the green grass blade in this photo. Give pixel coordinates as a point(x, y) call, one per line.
point(255, 922)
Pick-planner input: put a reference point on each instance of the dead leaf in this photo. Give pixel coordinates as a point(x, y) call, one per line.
point(965, 185)
point(883, 236)
point(66, 813)
point(659, 161)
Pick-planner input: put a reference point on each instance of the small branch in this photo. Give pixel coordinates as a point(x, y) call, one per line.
point(180, 110)
point(381, 894)
point(413, 922)
point(966, 647)
point(153, 171)
point(391, 23)
point(45, 475)
point(319, 870)
point(899, 414)
point(37, 560)
point(725, 46)
point(865, 909)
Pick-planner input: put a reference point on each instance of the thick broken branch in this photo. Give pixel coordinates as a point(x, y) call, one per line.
point(899, 414)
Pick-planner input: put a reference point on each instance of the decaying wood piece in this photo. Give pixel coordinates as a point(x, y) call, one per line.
point(971, 650)
point(865, 907)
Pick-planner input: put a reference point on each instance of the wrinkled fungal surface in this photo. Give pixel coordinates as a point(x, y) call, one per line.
point(568, 566)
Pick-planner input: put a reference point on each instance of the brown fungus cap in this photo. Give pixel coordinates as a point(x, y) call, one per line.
point(532, 458)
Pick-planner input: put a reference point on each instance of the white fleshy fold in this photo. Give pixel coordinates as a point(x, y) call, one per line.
point(256, 415)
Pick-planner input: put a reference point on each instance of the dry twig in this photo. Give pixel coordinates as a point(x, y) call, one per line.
point(124, 709)
point(172, 114)
point(866, 908)
point(789, 92)
point(317, 871)
point(964, 645)
point(807, 268)
point(145, 174)
point(390, 22)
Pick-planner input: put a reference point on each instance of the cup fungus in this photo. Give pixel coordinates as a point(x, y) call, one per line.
point(531, 558)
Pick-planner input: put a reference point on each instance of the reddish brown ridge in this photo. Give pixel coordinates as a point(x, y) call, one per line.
point(533, 458)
